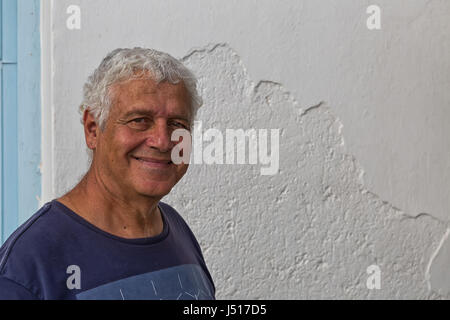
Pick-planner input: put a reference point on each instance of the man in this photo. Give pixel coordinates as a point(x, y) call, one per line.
point(111, 237)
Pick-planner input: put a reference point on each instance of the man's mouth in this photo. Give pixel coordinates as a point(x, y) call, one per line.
point(154, 161)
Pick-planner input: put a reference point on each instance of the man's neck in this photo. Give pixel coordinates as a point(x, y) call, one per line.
point(125, 217)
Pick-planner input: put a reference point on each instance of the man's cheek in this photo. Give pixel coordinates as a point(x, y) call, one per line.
point(183, 170)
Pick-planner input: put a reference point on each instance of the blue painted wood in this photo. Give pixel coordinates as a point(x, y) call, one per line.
point(9, 28)
point(10, 155)
point(1, 121)
point(19, 112)
point(9, 118)
point(1, 31)
point(29, 107)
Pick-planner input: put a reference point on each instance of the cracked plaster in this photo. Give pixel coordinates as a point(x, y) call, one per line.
point(310, 231)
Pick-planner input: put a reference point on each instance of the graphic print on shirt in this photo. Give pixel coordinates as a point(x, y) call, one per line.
point(184, 282)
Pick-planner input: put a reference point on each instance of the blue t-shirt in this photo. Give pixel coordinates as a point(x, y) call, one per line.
point(57, 254)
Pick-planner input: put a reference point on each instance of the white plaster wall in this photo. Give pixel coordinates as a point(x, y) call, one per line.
point(363, 176)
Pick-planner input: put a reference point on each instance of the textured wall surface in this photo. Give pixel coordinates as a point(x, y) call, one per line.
point(364, 154)
point(310, 231)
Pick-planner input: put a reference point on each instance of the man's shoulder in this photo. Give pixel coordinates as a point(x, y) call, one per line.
point(34, 237)
point(166, 207)
point(177, 221)
point(173, 215)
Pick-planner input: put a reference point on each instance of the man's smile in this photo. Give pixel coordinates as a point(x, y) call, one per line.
point(154, 162)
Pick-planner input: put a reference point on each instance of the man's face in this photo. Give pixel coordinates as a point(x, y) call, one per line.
point(133, 153)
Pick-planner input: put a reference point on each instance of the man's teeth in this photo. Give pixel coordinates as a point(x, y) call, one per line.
point(168, 162)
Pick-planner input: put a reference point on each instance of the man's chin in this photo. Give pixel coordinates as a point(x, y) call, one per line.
point(153, 190)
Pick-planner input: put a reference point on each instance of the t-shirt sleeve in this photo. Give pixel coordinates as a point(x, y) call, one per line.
point(11, 290)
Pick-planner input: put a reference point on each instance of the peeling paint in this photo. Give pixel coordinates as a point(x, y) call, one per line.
point(317, 206)
point(312, 108)
point(437, 274)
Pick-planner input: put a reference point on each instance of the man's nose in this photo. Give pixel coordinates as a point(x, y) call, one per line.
point(160, 137)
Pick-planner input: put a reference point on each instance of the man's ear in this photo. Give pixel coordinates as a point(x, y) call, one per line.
point(90, 129)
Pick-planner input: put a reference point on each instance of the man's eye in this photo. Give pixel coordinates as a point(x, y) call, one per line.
point(139, 123)
point(179, 125)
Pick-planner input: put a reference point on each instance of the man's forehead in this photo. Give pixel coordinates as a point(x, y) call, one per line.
point(135, 93)
point(139, 87)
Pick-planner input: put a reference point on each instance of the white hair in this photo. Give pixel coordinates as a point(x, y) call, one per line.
point(137, 63)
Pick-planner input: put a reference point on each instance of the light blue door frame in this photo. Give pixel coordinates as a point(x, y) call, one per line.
point(20, 112)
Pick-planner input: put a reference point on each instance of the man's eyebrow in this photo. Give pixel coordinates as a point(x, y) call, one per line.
point(138, 112)
point(145, 112)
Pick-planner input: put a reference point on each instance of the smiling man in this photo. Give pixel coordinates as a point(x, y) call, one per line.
point(111, 237)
